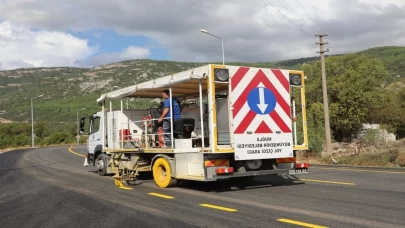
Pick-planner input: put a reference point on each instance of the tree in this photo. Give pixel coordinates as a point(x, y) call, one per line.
point(392, 111)
point(355, 84)
point(39, 129)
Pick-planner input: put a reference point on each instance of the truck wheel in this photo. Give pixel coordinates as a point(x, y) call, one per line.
point(101, 165)
point(162, 174)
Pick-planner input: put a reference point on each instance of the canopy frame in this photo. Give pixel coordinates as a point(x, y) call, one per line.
point(182, 84)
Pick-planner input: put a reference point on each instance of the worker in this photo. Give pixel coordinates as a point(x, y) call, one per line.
point(166, 118)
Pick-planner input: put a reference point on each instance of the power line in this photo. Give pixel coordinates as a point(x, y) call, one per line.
point(293, 11)
point(291, 22)
point(320, 26)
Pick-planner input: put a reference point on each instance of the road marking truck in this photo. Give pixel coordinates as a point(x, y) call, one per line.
point(236, 122)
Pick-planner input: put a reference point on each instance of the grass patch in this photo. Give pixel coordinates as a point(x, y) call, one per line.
point(392, 158)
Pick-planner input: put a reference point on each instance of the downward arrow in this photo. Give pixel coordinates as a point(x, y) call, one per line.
point(262, 106)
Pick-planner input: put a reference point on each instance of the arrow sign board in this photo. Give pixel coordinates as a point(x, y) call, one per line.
point(261, 113)
point(261, 101)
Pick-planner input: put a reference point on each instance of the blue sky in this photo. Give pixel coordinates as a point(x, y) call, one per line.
point(108, 41)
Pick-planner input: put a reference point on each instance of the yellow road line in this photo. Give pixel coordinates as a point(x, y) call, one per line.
point(300, 223)
point(329, 182)
point(218, 207)
point(361, 170)
point(161, 195)
point(126, 188)
point(71, 151)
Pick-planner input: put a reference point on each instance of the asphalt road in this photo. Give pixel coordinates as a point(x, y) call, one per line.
point(51, 188)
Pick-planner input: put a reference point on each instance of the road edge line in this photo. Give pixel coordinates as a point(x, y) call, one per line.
point(327, 182)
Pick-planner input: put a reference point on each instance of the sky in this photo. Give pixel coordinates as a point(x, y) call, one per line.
point(88, 33)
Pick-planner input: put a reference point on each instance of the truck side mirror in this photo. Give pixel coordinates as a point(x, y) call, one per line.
point(82, 125)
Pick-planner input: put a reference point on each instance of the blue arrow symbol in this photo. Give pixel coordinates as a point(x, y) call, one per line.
point(262, 105)
point(261, 100)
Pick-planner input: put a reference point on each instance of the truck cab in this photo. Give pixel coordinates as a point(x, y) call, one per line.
point(94, 147)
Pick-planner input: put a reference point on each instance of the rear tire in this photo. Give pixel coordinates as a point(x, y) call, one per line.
point(101, 164)
point(162, 174)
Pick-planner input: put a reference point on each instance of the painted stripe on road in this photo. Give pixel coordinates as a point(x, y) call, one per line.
point(362, 170)
point(71, 151)
point(125, 188)
point(219, 207)
point(161, 195)
point(328, 182)
point(304, 224)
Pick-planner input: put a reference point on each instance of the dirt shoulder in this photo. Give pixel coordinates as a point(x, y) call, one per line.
point(27, 147)
point(384, 155)
point(11, 149)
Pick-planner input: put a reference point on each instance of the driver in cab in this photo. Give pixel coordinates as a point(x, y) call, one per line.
point(166, 118)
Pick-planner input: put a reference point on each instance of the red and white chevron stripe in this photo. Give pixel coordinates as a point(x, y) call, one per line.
point(244, 80)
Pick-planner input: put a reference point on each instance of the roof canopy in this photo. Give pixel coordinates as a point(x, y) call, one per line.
point(183, 84)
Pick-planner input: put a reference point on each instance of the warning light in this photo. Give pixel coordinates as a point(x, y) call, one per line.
point(224, 170)
point(295, 79)
point(221, 75)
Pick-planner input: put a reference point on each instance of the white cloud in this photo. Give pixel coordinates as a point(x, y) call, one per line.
point(132, 52)
point(22, 47)
point(251, 31)
point(135, 53)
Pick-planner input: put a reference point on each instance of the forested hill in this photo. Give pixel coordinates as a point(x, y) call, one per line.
point(364, 87)
point(393, 58)
point(68, 89)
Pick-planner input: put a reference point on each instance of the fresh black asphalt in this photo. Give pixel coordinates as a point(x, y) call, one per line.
point(49, 187)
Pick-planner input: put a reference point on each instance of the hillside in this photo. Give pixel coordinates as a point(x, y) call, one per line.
point(67, 89)
point(393, 58)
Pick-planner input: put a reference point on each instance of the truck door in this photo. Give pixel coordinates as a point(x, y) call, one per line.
point(95, 134)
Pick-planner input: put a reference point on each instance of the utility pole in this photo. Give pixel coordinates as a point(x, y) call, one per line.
point(78, 127)
point(32, 122)
point(32, 126)
point(325, 93)
point(222, 42)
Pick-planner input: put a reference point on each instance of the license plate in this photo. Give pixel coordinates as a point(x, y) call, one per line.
point(297, 171)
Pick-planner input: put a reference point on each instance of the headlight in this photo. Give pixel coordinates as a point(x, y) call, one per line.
point(221, 75)
point(295, 79)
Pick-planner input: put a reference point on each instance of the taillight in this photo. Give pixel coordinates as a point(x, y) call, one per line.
point(224, 170)
point(301, 165)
